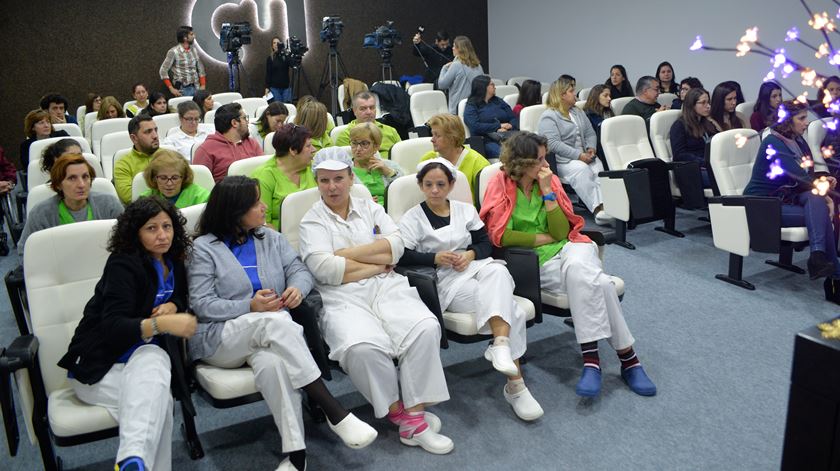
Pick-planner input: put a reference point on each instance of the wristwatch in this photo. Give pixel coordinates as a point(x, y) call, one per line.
point(550, 197)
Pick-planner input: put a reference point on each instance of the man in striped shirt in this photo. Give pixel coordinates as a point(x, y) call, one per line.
point(183, 62)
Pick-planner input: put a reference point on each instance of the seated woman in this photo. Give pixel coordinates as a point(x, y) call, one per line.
point(93, 103)
point(693, 130)
point(448, 137)
point(115, 359)
point(765, 111)
point(793, 185)
point(723, 114)
point(56, 150)
point(36, 126)
point(457, 76)
point(686, 84)
point(274, 115)
point(829, 93)
point(70, 177)
point(141, 100)
point(449, 236)
point(371, 314)
point(573, 141)
point(619, 83)
point(525, 206)
point(157, 105)
point(243, 280)
point(169, 176)
point(110, 108)
point(530, 94)
point(665, 76)
point(597, 109)
point(488, 116)
point(313, 116)
point(370, 168)
point(204, 100)
point(289, 171)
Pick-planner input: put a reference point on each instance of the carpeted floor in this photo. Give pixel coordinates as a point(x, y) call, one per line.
point(720, 356)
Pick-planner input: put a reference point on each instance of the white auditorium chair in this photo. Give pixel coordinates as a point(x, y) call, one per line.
point(665, 99)
point(544, 98)
point(407, 153)
point(106, 126)
point(503, 90)
point(260, 111)
point(498, 82)
point(518, 80)
point(545, 87)
point(580, 103)
point(295, 206)
point(251, 105)
point(193, 215)
point(43, 192)
point(247, 166)
point(815, 135)
point(165, 122)
point(337, 132)
point(745, 108)
point(424, 105)
point(340, 97)
point(90, 118)
point(80, 116)
point(462, 105)
point(743, 223)
point(35, 176)
point(660, 137)
point(583, 93)
point(618, 104)
point(420, 87)
point(127, 104)
point(201, 177)
point(226, 97)
point(529, 117)
point(172, 103)
point(111, 144)
point(71, 129)
point(254, 133)
point(511, 99)
point(292, 109)
point(268, 147)
point(209, 116)
point(36, 150)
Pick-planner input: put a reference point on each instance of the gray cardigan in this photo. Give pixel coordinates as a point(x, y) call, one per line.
point(220, 288)
point(562, 131)
point(45, 214)
point(457, 78)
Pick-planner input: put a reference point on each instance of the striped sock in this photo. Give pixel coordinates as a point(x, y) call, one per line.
point(410, 423)
point(589, 351)
point(628, 359)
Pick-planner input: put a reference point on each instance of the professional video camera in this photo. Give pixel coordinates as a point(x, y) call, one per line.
point(384, 37)
point(233, 36)
point(331, 29)
point(294, 51)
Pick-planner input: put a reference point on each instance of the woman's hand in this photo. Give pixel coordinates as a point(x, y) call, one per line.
point(165, 309)
point(832, 182)
point(446, 259)
point(585, 157)
point(543, 239)
point(266, 92)
point(544, 180)
point(180, 325)
point(378, 164)
point(464, 260)
point(265, 300)
point(416, 38)
point(291, 298)
point(507, 126)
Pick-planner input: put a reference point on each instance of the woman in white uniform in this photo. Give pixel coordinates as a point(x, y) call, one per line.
point(449, 236)
point(371, 314)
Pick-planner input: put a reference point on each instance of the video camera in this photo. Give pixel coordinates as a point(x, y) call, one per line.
point(384, 37)
point(294, 51)
point(331, 28)
point(234, 35)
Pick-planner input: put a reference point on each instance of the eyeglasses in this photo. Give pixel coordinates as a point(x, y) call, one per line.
point(164, 179)
point(362, 144)
point(192, 120)
point(245, 117)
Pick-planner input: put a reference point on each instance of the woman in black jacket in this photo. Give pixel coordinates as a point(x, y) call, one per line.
point(619, 83)
point(115, 359)
point(277, 73)
point(693, 130)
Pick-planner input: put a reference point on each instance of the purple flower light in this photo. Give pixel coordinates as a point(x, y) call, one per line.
point(770, 76)
point(775, 170)
point(779, 59)
point(697, 44)
point(792, 34)
point(831, 125)
point(782, 113)
point(770, 152)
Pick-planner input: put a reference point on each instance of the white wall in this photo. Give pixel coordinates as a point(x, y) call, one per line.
point(543, 39)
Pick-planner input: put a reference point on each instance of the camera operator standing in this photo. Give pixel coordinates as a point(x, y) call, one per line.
point(277, 72)
point(433, 56)
point(186, 67)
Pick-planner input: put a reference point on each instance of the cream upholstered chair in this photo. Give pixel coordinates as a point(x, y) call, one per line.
point(209, 118)
point(104, 127)
point(529, 117)
point(420, 87)
point(247, 166)
point(518, 80)
point(165, 122)
point(71, 129)
point(90, 118)
point(43, 192)
point(172, 103)
point(295, 206)
point(745, 108)
point(337, 132)
point(407, 153)
point(511, 99)
point(665, 99)
point(36, 176)
point(462, 105)
point(504, 90)
point(583, 93)
point(618, 104)
point(815, 135)
point(251, 105)
point(36, 150)
point(426, 104)
point(193, 216)
point(226, 97)
point(111, 144)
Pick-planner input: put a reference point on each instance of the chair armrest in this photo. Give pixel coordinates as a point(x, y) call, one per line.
point(764, 219)
point(16, 289)
point(176, 348)
point(596, 236)
point(424, 279)
point(22, 353)
point(524, 267)
point(306, 314)
point(631, 197)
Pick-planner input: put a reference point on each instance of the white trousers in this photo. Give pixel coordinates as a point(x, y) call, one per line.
point(584, 179)
point(490, 293)
point(593, 300)
point(137, 395)
point(274, 346)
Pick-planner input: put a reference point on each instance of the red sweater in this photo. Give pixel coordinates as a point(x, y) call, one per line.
point(7, 169)
point(217, 153)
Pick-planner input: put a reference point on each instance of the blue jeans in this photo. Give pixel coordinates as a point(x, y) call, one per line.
point(281, 94)
point(188, 90)
point(811, 211)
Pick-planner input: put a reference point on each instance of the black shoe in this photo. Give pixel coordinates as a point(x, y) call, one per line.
point(4, 244)
point(832, 289)
point(819, 265)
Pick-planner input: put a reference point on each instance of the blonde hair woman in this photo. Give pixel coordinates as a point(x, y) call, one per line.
point(110, 108)
point(457, 76)
point(313, 116)
point(170, 176)
point(448, 141)
point(370, 168)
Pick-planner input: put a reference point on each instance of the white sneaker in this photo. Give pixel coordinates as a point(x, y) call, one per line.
point(286, 465)
point(603, 219)
point(433, 421)
point(353, 432)
point(500, 356)
point(430, 441)
point(524, 404)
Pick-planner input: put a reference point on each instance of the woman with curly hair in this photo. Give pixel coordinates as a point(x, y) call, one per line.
point(525, 206)
point(56, 150)
point(116, 359)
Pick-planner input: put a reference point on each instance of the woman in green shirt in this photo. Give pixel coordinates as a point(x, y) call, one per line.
point(370, 168)
point(170, 176)
point(288, 171)
point(313, 116)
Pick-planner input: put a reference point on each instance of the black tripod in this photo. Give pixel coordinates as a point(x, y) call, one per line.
point(297, 71)
point(234, 63)
point(334, 73)
point(387, 71)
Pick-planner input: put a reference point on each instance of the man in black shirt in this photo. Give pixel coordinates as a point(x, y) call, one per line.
point(434, 57)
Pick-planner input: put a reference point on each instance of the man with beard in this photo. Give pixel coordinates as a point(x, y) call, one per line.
point(183, 62)
point(143, 132)
point(230, 142)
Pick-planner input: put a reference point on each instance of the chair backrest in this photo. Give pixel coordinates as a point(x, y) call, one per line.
point(424, 105)
point(292, 109)
point(545, 87)
point(665, 99)
point(337, 132)
point(745, 108)
point(268, 147)
point(106, 126)
point(36, 150)
point(295, 206)
point(583, 93)
point(462, 105)
point(80, 115)
point(618, 104)
point(545, 98)
point(498, 82)
point(483, 179)
point(111, 143)
point(529, 117)
point(255, 133)
point(172, 104)
point(90, 118)
point(504, 90)
point(260, 110)
point(340, 97)
point(404, 194)
point(580, 103)
point(407, 153)
point(247, 166)
point(127, 104)
point(660, 133)
point(165, 122)
point(732, 165)
point(193, 215)
point(625, 140)
point(251, 105)
point(815, 135)
point(35, 176)
point(518, 80)
point(72, 129)
point(420, 87)
point(209, 117)
point(226, 97)
point(511, 99)
point(43, 192)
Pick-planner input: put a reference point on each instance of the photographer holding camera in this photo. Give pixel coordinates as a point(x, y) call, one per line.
point(186, 67)
point(433, 56)
point(277, 72)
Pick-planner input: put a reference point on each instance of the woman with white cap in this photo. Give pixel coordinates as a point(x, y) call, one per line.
point(449, 236)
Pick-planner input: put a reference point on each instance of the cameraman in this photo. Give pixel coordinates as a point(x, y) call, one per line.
point(277, 72)
point(186, 67)
point(434, 56)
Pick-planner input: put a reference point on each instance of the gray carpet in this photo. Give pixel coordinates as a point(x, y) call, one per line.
point(720, 356)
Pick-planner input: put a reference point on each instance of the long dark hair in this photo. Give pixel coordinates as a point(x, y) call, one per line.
point(674, 82)
point(230, 199)
point(530, 93)
point(478, 90)
point(719, 106)
point(199, 97)
point(125, 237)
point(153, 98)
point(593, 102)
point(695, 125)
point(626, 89)
point(762, 105)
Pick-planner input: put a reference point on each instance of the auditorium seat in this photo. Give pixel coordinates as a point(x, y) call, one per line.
point(420, 87)
point(815, 135)
point(172, 104)
point(407, 153)
point(660, 137)
point(618, 104)
point(247, 166)
point(665, 99)
point(268, 147)
point(503, 90)
point(36, 150)
point(43, 192)
point(518, 80)
point(165, 122)
point(337, 132)
point(511, 99)
point(111, 143)
point(35, 176)
point(529, 118)
point(583, 93)
point(251, 105)
point(226, 97)
point(424, 105)
point(745, 108)
point(71, 129)
point(106, 126)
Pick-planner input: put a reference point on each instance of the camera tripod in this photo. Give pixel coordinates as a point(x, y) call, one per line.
point(387, 70)
point(334, 73)
point(297, 72)
point(234, 64)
